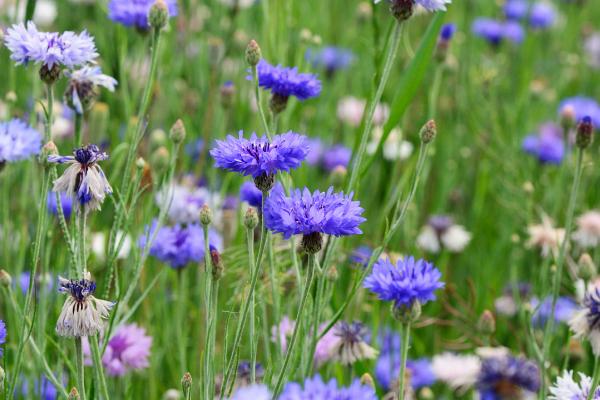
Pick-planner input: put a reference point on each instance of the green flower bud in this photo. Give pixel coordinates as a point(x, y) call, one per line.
point(177, 132)
point(206, 215)
point(158, 16)
point(487, 323)
point(251, 218)
point(5, 278)
point(428, 132)
point(253, 53)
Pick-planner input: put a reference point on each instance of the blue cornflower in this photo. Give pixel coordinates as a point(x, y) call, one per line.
point(315, 388)
point(547, 145)
point(404, 283)
point(44, 282)
point(330, 58)
point(387, 371)
point(312, 214)
point(542, 15)
point(84, 179)
point(2, 336)
point(507, 377)
point(582, 107)
point(260, 157)
point(361, 255)
point(50, 49)
point(83, 83)
point(252, 392)
point(516, 9)
point(251, 195)
point(179, 245)
point(43, 389)
point(65, 200)
point(135, 12)
point(284, 82)
point(447, 32)
point(18, 141)
point(336, 156)
point(496, 31)
point(564, 311)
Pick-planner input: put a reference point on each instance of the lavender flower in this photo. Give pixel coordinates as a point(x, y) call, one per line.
point(65, 200)
point(134, 13)
point(387, 371)
point(361, 255)
point(496, 31)
point(260, 157)
point(330, 58)
point(315, 388)
point(312, 214)
point(352, 343)
point(127, 350)
point(507, 377)
point(2, 336)
point(51, 49)
point(82, 314)
point(44, 282)
point(547, 145)
point(43, 389)
point(566, 388)
point(563, 312)
point(18, 141)
point(315, 152)
point(251, 195)
point(252, 392)
point(336, 156)
point(583, 107)
point(542, 15)
point(404, 283)
point(84, 179)
point(83, 84)
point(179, 245)
point(516, 9)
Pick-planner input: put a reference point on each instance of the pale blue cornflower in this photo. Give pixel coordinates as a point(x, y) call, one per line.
point(83, 84)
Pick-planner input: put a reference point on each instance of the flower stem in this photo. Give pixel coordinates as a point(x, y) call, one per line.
point(79, 366)
point(210, 319)
point(404, 357)
point(595, 379)
point(77, 138)
point(49, 112)
point(291, 345)
point(97, 360)
point(251, 266)
point(81, 241)
point(259, 105)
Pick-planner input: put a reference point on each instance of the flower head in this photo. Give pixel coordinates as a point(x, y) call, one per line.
point(286, 82)
point(516, 9)
point(315, 388)
point(566, 388)
point(135, 12)
point(18, 141)
point(307, 213)
point(545, 236)
point(351, 345)
point(564, 310)
point(387, 371)
point(83, 84)
point(429, 5)
point(128, 349)
point(252, 392)
point(330, 58)
point(66, 202)
point(507, 377)
point(587, 234)
point(441, 231)
point(586, 322)
point(583, 107)
point(350, 110)
point(66, 49)
point(497, 31)
point(447, 32)
point(336, 156)
point(82, 314)
point(547, 145)
point(43, 389)
point(542, 15)
point(184, 202)
point(84, 179)
point(404, 283)
point(457, 371)
point(251, 195)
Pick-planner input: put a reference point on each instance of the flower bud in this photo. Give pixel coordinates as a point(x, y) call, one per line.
point(567, 117)
point(312, 243)
point(160, 160)
point(585, 133)
point(206, 215)
point(251, 218)
point(428, 132)
point(364, 11)
point(407, 314)
point(49, 149)
point(332, 274)
point(402, 9)
point(158, 16)
point(140, 163)
point(367, 379)
point(586, 268)
point(74, 394)
point(217, 263)
point(177, 132)
point(253, 53)
point(49, 75)
point(5, 278)
point(487, 323)
point(186, 384)
point(264, 182)
point(158, 138)
point(338, 175)
point(278, 103)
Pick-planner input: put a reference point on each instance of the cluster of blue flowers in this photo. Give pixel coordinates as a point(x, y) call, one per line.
point(316, 388)
point(18, 141)
point(134, 13)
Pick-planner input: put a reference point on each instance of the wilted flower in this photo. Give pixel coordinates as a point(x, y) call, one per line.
point(82, 314)
point(315, 388)
point(545, 236)
point(18, 141)
point(84, 179)
point(429, 5)
point(135, 12)
point(586, 322)
point(507, 378)
point(441, 231)
point(587, 234)
point(83, 84)
point(547, 145)
point(457, 371)
point(566, 388)
point(351, 345)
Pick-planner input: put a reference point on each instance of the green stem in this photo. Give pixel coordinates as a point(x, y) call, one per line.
point(209, 318)
point(81, 241)
point(79, 366)
point(595, 379)
point(50, 112)
point(259, 105)
point(77, 138)
point(299, 315)
point(97, 359)
point(404, 357)
point(251, 266)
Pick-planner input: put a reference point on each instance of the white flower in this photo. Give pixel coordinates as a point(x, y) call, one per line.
point(99, 245)
point(82, 84)
point(545, 236)
point(566, 388)
point(253, 392)
point(455, 238)
point(588, 229)
point(457, 371)
point(428, 240)
point(439, 232)
point(394, 147)
point(506, 305)
point(592, 49)
point(350, 110)
point(82, 314)
point(586, 323)
point(492, 352)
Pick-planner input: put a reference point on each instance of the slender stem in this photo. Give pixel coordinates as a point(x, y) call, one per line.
point(81, 240)
point(560, 262)
point(275, 294)
point(97, 359)
point(50, 113)
point(299, 315)
point(79, 366)
point(77, 137)
point(209, 318)
point(316, 315)
point(404, 356)
point(251, 266)
point(259, 105)
point(595, 379)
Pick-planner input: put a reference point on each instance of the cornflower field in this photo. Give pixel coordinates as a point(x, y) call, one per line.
point(299, 200)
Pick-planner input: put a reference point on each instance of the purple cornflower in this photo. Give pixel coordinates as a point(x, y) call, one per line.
point(259, 157)
point(352, 344)
point(244, 372)
point(565, 309)
point(336, 156)
point(84, 179)
point(83, 84)
point(18, 141)
point(404, 283)
point(43, 389)
point(507, 377)
point(252, 392)
point(285, 82)
point(128, 349)
point(447, 32)
point(315, 388)
point(312, 214)
point(547, 145)
point(135, 12)
point(542, 16)
point(330, 58)
point(65, 200)
point(179, 245)
point(251, 195)
point(361, 255)
point(2, 336)
point(50, 49)
point(496, 31)
point(387, 371)
point(582, 107)
point(516, 9)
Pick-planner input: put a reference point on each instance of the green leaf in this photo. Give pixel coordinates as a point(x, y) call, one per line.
point(410, 82)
